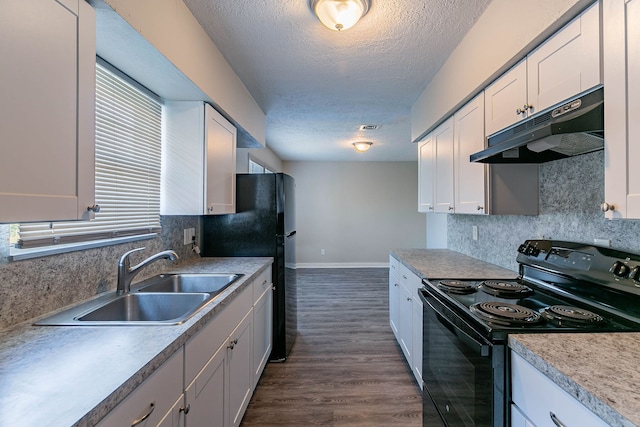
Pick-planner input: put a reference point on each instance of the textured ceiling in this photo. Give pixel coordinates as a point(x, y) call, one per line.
point(317, 86)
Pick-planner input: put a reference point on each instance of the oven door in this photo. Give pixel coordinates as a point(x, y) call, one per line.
point(462, 387)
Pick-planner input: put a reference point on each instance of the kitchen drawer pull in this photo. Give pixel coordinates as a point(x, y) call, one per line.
point(555, 420)
point(152, 406)
point(185, 409)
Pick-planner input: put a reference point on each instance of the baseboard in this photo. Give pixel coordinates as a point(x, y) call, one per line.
point(343, 265)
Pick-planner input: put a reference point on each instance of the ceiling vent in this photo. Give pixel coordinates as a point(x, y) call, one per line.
point(369, 127)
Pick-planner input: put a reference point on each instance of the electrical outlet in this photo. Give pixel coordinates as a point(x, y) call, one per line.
point(189, 236)
point(322, 252)
point(474, 231)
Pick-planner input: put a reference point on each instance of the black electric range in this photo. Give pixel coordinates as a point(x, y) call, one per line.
point(563, 287)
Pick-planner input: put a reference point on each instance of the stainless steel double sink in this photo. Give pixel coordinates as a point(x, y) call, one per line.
point(166, 299)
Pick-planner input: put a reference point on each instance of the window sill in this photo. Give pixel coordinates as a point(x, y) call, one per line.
point(22, 254)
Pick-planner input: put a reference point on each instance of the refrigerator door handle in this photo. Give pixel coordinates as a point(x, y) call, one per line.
point(288, 235)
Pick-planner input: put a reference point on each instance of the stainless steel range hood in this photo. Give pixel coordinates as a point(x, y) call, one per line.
point(573, 128)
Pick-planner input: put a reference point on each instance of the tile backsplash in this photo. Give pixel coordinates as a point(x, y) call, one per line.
point(37, 286)
point(571, 191)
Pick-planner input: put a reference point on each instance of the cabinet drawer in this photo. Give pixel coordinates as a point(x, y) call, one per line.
point(160, 390)
point(537, 397)
point(261, 284)
point(202, 346)
point(409, 280)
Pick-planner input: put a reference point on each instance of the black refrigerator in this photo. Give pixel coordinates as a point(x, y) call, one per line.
point(263, 225)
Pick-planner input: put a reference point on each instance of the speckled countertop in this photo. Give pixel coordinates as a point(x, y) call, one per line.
point(446, 264)
point(599, 370)
point(74, 375)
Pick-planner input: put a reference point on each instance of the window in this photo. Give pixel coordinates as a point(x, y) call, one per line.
point(255, 167)
point(128, 166)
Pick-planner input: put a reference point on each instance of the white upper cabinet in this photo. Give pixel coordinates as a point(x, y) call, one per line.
point(199, 160)
point(565, 65)
point(506, 99)
point(426, 174)
point(622, 87)
point(468, 133)
point(443, 145)
point(47, 113)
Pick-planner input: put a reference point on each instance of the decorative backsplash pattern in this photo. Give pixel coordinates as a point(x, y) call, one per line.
point(37, 286)
point(571, 191)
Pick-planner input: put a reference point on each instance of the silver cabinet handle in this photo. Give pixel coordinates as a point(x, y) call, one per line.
point(480, 208)
point(232, 344)
point(555, 420)
point(209, 209)
point(524, 109)
point(94, 208)
point(451, 208)
point(185, 410)
point(606, 207)
point(140, 419)
point(408, 299)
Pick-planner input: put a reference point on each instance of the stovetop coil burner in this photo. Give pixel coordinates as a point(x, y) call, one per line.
point(505, 289)
point(563, 315)
point(506, 314)
point(456, 287)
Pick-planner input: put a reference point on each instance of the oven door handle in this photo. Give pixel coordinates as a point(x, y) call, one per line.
point(484, 349)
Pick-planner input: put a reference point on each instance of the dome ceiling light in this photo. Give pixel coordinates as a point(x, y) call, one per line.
point(339, 15)
point(362, 146)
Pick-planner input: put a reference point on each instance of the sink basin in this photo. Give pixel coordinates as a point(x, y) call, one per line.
point(154, 307)
point(166, 299)
point(211, 283)
point(133, 309)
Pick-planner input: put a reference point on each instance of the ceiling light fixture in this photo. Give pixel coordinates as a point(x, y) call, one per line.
point(339, 15)
point(362, 146)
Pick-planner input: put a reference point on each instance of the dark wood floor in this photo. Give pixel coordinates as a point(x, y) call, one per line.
point(345, 368)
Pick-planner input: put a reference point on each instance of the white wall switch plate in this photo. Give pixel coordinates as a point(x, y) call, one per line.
point(474, 230)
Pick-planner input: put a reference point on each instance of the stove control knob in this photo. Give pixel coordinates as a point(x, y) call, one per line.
point(522, 248)
point(619, 269)
point(635, 273)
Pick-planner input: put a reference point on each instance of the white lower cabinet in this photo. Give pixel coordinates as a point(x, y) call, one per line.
point(262, 323)
point(405, 314)
point(153, 402)
point(394, 290)
point(539, 402)
point(217, 369)
point(240, 356)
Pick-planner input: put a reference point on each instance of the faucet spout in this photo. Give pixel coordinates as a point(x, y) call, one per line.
point(126, 273)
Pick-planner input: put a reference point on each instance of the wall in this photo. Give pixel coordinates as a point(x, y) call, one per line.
point(163, 38)
point(505, 32)
point(355, 211)
point(37, 286)
point(571, 191)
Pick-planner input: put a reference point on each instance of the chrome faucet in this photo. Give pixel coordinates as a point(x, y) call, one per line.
point(126, 273)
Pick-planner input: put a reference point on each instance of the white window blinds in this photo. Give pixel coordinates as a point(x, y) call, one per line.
point(128, 162)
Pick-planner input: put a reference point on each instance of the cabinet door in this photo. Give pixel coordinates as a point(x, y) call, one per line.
point(240, 356)
point(262, 332)
point(566, 64)
point(394, 289)
point(416, 343)
point(426, 171)
point(176, 415)
point(207, 395)
point(220, 184)
point(47, 114)
point(505, 99)
point(622, 81)
point(443, 145)
point(405, 322)
point(468, 131)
